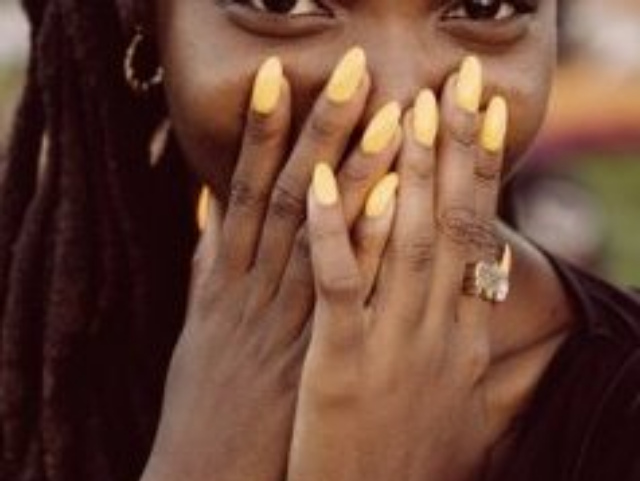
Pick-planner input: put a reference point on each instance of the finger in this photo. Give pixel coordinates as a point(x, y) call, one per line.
point(490, 162)
point(365, 166)
point(373, 229)
point(456, 228)
point(296, 293)
point(404, 276)
point(337, 278)
point(261, 155)
point(210, 224)
point(206, 254)
point(488, 170)
point(323, 139)
point(473, 310)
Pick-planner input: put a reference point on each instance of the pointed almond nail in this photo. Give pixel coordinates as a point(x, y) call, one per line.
point(494, 127)
point(325, 187)
point(426, 118)
point(382, 195)
point(347, 76)
point(469, 85)
point(382, 129)
point(204, 209)
point(267, 87)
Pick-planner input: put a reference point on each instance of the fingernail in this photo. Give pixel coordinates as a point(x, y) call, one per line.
point(382, 129)
point(381, 196)
point(494, 127)
point(347, 76)
point(425, 118)
point(325, 187)
point(204, 208)
point(507, 260)
point(267, 86)
point(469, 87)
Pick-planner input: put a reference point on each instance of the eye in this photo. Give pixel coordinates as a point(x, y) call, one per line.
point(488, 10)
point(287, 7)
point(281, 18)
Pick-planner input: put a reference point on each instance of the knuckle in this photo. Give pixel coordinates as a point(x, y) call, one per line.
point(487, 171)
point(484, 238)
point(244, 196)
point(261, 130)
point(323, 126)
point(457, 224)
point(287, 203)
point(464, 131)
point(418, 169)
point(356, 172)
point(327, 234)
point(463, 227)
point(418, 253)
point(341, 286)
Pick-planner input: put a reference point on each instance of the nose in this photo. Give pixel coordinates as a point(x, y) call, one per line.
point(399, 64)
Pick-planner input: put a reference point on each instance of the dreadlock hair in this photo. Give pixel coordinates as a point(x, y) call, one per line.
point(94, 257)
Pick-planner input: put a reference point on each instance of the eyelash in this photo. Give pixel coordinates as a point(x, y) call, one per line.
point(259, 6)
point(515, 8)
point(456, 11)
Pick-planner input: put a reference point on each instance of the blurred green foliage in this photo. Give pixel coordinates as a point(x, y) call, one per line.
point(616, 182)
point(10, 83)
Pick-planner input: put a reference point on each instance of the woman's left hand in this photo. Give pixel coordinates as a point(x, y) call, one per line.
point(395, 383)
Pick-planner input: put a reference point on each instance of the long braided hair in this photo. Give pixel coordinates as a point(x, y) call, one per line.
point(94, 257)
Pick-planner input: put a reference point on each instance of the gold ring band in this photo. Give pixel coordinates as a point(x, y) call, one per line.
point(489, 281)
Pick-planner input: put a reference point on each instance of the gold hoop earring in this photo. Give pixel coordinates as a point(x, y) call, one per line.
point(139, 85)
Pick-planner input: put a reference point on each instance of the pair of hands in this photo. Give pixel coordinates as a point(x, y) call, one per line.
point(342, 349)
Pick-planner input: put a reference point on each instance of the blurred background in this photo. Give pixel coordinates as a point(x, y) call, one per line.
point(579, 195)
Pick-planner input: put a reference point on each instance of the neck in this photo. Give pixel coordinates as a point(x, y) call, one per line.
point(526, 331)
point(537, 308)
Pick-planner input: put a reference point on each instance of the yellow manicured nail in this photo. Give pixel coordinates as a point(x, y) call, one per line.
point(325, 187)
point(425, 118)
point(494, 127)
point(469, 86)
point(382, 129)
point(267, 86)
point(506, 262)
point(381, 196)
point(347, 76)
point(204, 208)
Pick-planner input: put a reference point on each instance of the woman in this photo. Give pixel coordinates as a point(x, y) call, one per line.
point(353, 310)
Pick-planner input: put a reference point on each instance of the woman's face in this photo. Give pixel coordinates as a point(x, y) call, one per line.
point(210, 50)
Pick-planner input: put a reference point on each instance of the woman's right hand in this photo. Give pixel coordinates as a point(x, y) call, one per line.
point(231, 390)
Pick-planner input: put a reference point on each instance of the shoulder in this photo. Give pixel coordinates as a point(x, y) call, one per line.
point(612, 449)
point(604, 310)
point(610, 442)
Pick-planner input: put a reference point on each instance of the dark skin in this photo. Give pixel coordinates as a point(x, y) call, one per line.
point(250, 368)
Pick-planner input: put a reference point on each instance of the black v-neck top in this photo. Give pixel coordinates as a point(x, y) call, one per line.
point(583, 423)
